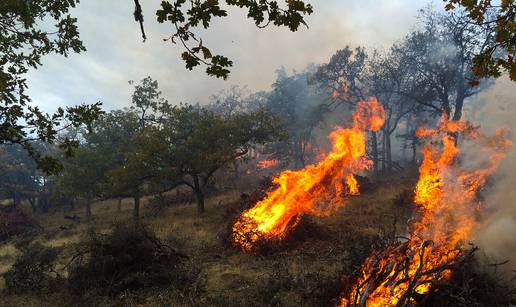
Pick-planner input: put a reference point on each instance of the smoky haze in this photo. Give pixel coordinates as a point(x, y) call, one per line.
point(494, 109)
point(117, 54)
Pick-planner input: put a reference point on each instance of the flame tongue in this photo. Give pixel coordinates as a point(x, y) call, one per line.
point(267, 163)
point(446, 197)
point(316, 189)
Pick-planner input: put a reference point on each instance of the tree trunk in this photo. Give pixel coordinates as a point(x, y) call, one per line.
point(446, 104)
point(388, 153)
point(119, 205)
point(374, 145)
point(136, 209)
point(199, 195)
point(384, 166)
point(459, 99)
point(457, 113)
point(200, 201)
point(72, 204)
point(88, 208)
point(235, 169)
point(15, 200)
point(32, 202)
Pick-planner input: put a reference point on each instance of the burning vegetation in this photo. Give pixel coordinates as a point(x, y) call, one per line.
point(446, 197)
point(237, 197)
point(267, 163)
point(317, 189)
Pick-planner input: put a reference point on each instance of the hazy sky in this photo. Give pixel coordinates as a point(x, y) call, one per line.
point(117, 54)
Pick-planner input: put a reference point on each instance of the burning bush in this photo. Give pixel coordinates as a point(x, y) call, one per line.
point(128, 258)
point(315, 190)
point(446, 197)
point(34, 271)
point(305, 227)
point(247, 200)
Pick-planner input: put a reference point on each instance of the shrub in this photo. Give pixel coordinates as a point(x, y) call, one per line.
point(473, 284)
point(14, 222)
point(33, 271)
point(128, 258)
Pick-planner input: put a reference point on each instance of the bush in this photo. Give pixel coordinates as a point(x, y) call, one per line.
point(14, 222)
point(33, 271)
point(128, 258)
point(473, 284)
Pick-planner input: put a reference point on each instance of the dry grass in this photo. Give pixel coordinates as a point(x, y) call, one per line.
point(306, 274)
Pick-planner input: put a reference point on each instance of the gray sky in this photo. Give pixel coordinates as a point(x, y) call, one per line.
point(117, 54)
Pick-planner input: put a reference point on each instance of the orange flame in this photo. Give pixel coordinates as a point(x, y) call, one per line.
point(446, 196)
point(345, 91)
point(316, 189)
point(267, 163)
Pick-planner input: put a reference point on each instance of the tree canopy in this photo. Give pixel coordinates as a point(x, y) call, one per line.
point(24, 40)
point(498, 17)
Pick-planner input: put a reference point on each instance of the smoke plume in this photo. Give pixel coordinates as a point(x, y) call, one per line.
point(494, 108)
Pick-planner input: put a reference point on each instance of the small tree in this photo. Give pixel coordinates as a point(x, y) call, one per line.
point(301, 108)
point(132, 168)
point(192, 143)
point(86, 173)
point(83, 176)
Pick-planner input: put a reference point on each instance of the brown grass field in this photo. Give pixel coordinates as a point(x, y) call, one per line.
point(307, 273)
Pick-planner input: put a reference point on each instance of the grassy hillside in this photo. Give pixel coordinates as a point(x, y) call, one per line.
point(307, 272)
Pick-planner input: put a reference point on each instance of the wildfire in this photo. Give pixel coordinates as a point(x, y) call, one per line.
point(446, 196)
point(267, 163)
point(317, 189)
point(345, 91)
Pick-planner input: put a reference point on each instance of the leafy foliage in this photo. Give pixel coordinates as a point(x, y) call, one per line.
point(33, 271)
point(14, 222)
point(23, 42)
point(500, 54)
point(130, 257)
point(301, 108)
point(186, 17)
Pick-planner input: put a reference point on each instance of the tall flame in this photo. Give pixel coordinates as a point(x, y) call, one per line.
point(446, 197)
point(316, 189)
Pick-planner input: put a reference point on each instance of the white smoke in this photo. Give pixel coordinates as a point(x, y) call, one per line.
point(493, 109)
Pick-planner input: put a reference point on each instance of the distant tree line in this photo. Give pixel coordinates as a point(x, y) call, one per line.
point(149, 148)
point(155, 146)
point(25, 39)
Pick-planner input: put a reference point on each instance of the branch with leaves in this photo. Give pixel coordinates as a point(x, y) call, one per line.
point(187, 16)
point(23, 43)
point(500, 55)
